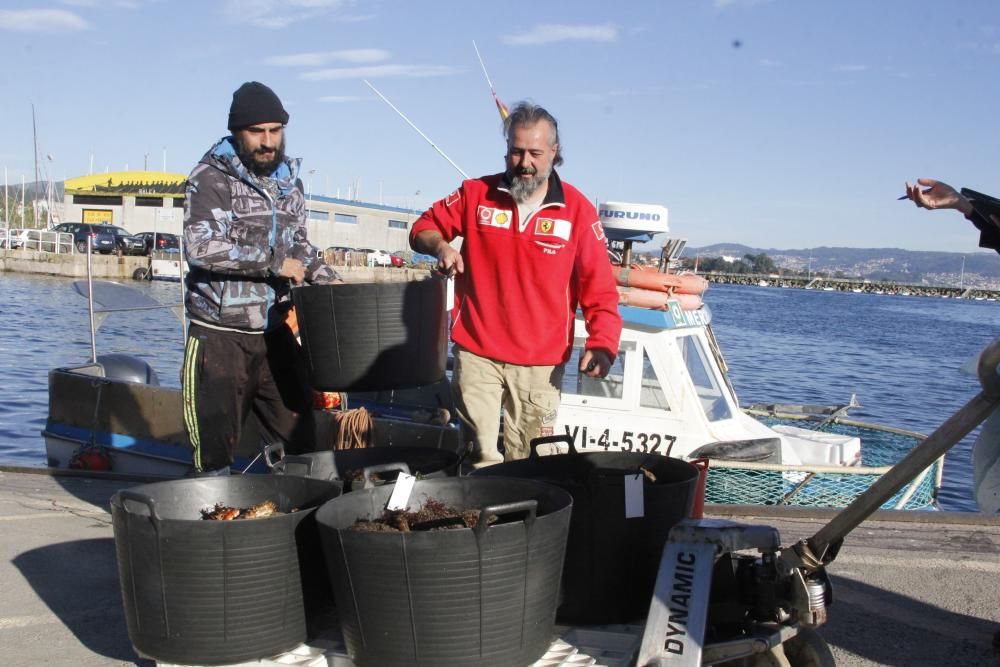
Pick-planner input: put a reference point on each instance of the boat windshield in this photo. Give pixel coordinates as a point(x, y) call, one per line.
point(711, 393)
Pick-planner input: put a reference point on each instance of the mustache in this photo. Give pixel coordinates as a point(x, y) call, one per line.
point(526, 170)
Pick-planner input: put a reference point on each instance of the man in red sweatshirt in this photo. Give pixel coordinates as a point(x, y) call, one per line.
point(533, 251)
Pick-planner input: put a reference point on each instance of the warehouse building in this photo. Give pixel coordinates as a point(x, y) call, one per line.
point(153, 201)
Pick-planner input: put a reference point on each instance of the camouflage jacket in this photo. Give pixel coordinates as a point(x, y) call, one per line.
point(236, 237)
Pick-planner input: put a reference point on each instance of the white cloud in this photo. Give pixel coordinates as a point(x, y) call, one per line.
point(320, 58)
point(767, 62)
point(376, 71)
point(342, 98)
point(40, 20)
point(850, 68)
point(276, 14)
point(553, 32)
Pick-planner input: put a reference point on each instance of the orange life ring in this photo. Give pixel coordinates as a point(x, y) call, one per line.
point(656, 300)
point(650, 279)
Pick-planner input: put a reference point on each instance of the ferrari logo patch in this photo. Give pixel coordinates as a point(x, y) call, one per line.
point(553, 227)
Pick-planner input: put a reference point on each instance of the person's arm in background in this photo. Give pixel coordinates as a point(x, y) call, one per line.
point(938, 195)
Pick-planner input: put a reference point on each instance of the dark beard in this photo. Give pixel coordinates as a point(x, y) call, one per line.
point(520, 189)
point(253, 160)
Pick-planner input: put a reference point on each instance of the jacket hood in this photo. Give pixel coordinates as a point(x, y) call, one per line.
point(223, 156)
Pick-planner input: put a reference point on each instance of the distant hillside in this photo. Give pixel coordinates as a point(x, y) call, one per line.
point(906, 266)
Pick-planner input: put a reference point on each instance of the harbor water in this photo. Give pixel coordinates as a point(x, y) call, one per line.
point(899, 355)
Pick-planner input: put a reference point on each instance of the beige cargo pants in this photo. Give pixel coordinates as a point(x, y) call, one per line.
point(528, 395)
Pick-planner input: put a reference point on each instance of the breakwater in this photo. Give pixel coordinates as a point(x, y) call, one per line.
point(113, 267)
point(852, 285)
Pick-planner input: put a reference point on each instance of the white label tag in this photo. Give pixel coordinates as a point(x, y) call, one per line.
point(634, 504)
point(449, 295)
point(400, 497)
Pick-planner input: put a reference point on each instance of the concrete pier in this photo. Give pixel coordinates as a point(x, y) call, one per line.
point(910, 589)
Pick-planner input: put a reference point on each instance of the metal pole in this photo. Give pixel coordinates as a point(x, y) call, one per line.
point(923, 455)
point(401, 115)
point(90, 304)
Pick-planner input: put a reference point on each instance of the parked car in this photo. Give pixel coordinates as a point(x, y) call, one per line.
point(164, 241)
point(127, 243)
point(377, 257)
point(398, 258)
point(424, 261)
point(13, 237)
point(102, 238)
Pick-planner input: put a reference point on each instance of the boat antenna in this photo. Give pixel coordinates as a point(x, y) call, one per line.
point(501, 107)
point(401, 115)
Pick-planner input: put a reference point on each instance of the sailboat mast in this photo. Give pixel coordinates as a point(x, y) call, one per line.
point(34, 189)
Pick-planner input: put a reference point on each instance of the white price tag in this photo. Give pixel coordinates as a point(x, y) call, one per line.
point(634, 504)
point(449, 294)
point(400, 497)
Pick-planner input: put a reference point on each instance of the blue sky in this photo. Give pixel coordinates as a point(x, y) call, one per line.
point(766, 122)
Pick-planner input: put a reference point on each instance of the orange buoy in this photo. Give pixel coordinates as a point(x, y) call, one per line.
point(650, 279)
point(656, 300)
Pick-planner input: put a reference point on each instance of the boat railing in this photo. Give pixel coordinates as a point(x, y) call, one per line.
point(38, 240)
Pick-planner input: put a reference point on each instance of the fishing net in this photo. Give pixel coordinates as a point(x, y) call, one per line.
point(731, 482)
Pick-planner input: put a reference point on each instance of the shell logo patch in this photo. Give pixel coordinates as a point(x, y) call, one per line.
point(493, 217)
point(553, 227)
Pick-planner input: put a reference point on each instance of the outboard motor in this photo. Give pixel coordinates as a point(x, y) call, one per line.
point(127, 368)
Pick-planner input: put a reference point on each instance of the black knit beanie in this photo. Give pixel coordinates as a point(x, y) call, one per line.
point(254, 103)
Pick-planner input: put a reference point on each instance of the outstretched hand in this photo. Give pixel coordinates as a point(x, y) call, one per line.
point(937, 195)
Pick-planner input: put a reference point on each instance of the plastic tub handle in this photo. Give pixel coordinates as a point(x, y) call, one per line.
point(382, 467)
point(549, 439)
point(287, 460)
point(142, 499)
point(530, 506)
point(270, 449)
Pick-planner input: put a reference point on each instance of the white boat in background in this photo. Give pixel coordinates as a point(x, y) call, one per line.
point(668, 393)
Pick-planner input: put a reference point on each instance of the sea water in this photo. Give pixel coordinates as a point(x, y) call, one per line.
point(899, 355)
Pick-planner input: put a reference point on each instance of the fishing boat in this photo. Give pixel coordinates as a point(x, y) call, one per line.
point(110, 413)
point(668, 393)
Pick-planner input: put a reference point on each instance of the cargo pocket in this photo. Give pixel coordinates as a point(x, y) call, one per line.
point(540, 413)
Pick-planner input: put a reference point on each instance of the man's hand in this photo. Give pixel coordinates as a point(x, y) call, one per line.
point(449, 260)
point(293, 269)
point(430, 242)
point(937, 195)
point(595, 363)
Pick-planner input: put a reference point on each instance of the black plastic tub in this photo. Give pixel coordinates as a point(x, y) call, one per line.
point(200, 592)
point(370, 336)
point(484, 596)
point(346, 464)
point(611, 561)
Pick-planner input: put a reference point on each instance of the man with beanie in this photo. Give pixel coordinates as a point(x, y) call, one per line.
point(245, 245)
